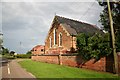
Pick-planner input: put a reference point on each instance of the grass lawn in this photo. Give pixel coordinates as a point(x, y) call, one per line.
point(45, 70)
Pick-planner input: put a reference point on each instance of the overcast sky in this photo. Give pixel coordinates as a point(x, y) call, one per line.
point(27, 23)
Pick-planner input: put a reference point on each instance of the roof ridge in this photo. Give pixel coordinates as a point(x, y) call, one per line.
point(77, 21)
point(68, 18)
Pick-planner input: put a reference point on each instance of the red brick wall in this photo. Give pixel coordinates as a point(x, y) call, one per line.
point(99, 65)
point(69, 61)
point(104, 64)
point(48, 59)
point(74, 61)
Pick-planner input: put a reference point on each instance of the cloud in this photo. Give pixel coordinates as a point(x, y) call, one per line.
point(29, 22)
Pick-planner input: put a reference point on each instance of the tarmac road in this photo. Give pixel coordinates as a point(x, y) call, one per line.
point(11, 70)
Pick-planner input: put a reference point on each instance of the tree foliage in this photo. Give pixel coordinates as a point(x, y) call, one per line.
point(95, 46)
point(5, 51)
point(29, 52)
point(82, 47)
point(12, 53)
point(23, 56)
point(104, 20)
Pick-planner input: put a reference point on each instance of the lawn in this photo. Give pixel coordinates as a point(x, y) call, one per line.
point(45, 70)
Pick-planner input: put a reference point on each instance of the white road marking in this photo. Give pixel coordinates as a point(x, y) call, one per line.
point(8, 69)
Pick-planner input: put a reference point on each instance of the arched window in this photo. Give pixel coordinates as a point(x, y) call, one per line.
point(55, 37)
point(50, 42)
point(60, 39)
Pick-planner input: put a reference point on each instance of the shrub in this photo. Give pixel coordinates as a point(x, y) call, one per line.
point(95, 46)
point(23, 56)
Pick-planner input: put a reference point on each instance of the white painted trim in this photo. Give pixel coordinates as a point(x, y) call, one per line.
point(50, 42)
point(60, 39)
point(54, 34)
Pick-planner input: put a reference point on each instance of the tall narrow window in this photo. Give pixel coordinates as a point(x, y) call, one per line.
point(55, 37)
point(60, 39)
point(50, 42)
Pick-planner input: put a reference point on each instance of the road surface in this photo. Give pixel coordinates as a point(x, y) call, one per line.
point(11, 70)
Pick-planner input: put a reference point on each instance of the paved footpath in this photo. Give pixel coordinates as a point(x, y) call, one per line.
point(13, 70)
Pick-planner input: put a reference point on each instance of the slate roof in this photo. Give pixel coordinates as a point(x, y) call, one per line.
point(75, 27)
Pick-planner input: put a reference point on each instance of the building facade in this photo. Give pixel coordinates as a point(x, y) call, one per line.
point(61, 37)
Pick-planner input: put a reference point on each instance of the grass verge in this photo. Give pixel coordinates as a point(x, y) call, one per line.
point(45, 70)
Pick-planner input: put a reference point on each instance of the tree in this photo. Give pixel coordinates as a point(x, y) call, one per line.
point(95, 46)
point(12, 53)
point(5, 51)
point(29, 52)
point(82, 46)
point(104, 20)
point(112, 11)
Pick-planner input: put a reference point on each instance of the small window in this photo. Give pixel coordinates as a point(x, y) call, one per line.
point(42, 50)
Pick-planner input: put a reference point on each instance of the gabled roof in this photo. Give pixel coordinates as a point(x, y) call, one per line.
point(75, 27)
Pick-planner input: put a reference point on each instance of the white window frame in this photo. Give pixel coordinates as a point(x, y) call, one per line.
point(60, 39)
point(50, 41)
point(54, 36)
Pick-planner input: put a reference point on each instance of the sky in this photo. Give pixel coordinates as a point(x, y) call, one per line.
point(26, 24)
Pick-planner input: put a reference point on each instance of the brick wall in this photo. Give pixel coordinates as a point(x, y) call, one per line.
point(104, 64)
point(76, 61)
point(48, 59)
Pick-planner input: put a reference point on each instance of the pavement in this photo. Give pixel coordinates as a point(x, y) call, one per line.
point(11, 70)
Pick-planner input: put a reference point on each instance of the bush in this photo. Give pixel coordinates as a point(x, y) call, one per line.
point(82, 46)
point(8, 56)
point(95, 46)
point(23, 56)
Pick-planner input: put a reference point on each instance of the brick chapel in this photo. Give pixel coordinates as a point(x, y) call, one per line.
point(61, 37)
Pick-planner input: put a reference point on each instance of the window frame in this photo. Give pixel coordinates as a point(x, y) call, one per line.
point(50, 41)
point(55, 36)
point(60, 39)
